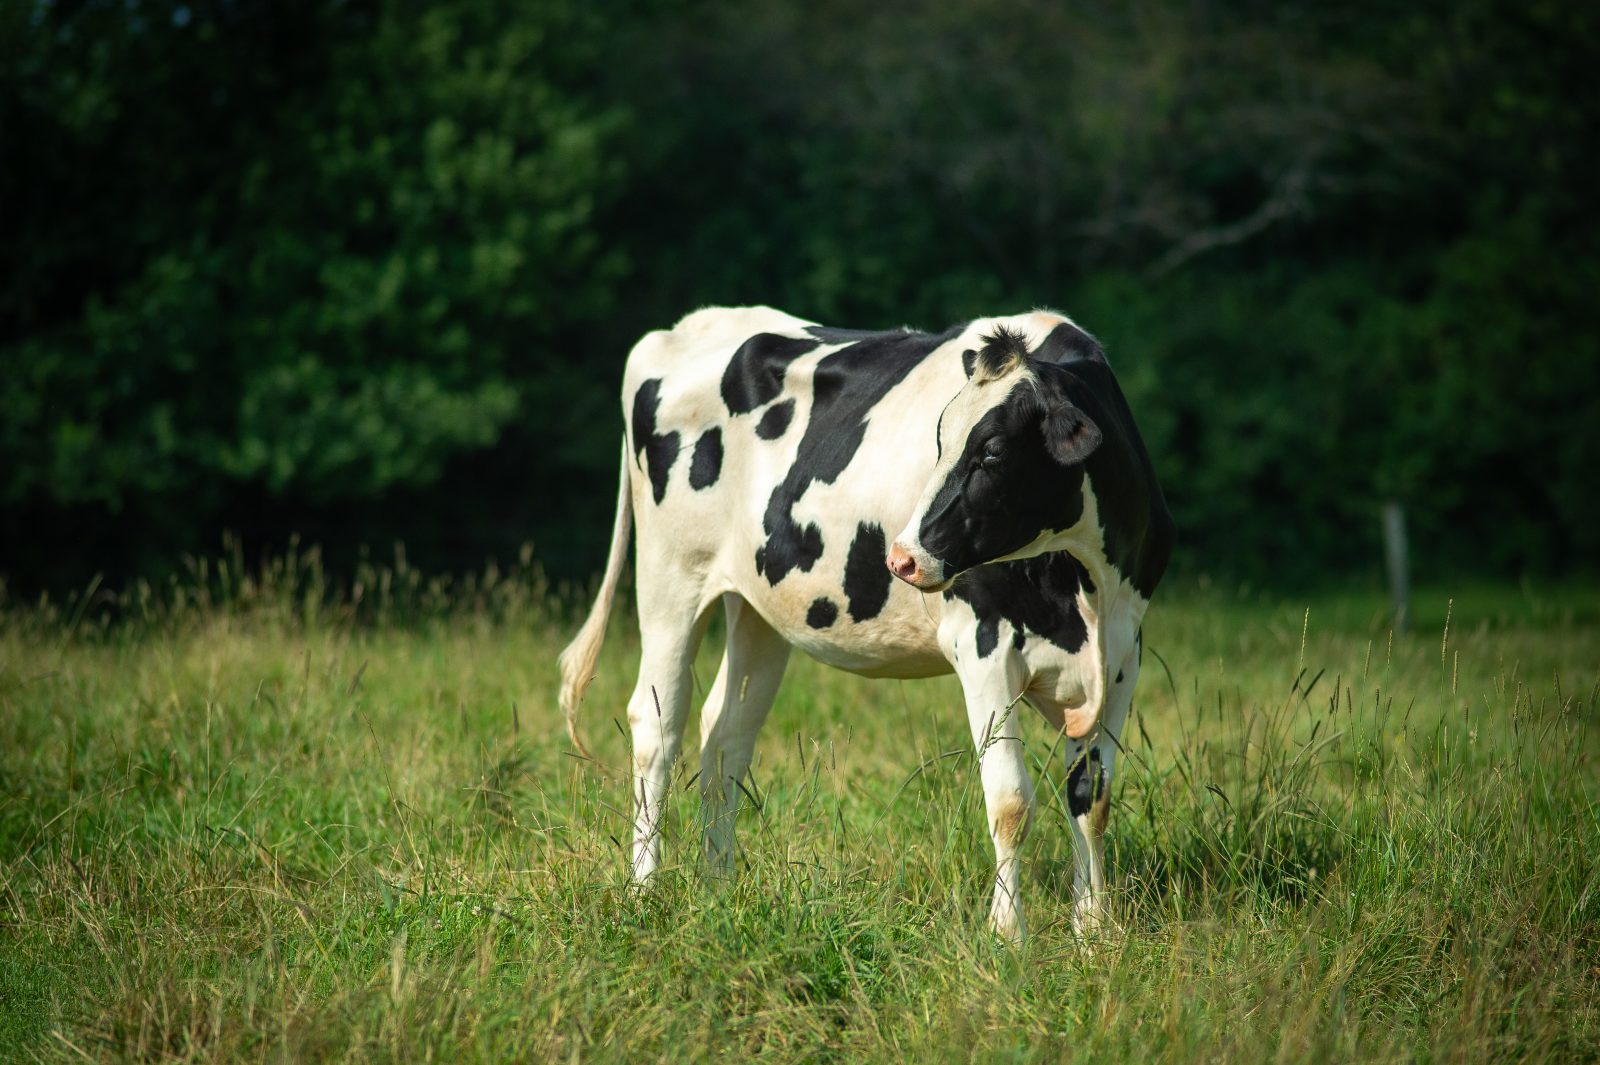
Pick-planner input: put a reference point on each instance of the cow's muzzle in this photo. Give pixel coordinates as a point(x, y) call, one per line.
point(924, 574)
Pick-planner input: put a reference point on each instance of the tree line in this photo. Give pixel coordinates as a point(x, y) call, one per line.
point(367, 271)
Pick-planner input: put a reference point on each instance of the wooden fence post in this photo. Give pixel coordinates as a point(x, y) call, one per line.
point(1396, 560)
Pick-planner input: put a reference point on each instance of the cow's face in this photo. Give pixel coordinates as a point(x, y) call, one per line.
point(1010, 473)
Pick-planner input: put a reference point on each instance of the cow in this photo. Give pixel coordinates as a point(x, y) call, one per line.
point(896, 504)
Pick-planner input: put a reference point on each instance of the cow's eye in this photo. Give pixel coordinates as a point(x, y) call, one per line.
point(994, 452)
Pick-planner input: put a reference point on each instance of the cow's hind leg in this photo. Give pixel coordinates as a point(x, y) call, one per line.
point(752, 668)
point(669, 631)
point(1090, 767)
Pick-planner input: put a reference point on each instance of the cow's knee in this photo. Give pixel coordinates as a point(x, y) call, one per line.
point(1010, 816)
point(652, 719)
point(652, 750)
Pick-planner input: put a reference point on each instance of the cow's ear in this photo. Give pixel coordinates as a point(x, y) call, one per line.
point(1069, 435)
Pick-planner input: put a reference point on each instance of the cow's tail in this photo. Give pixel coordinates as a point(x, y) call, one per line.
point(578, 660)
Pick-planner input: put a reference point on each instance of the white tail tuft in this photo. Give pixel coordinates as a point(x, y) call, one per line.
point(578, 660)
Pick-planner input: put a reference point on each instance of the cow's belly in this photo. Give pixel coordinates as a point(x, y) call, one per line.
point(900, 640)
point(899, 661)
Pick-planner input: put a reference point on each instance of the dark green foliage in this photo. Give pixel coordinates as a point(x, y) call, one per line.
point(299, 253)
point(369, 271)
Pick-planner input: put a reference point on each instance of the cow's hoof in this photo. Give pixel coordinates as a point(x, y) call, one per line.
point(1096, 930)
point(1008, 927)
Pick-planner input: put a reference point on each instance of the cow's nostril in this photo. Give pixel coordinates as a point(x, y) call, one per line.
point(901, 564)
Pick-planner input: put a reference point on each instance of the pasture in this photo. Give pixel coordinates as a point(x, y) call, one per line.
point(266, 821)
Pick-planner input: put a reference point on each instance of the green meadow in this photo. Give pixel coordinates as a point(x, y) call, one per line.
point(259, 818)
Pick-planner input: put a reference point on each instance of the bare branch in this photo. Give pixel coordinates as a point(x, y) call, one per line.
point(1287, 199)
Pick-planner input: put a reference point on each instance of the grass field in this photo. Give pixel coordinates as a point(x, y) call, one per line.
point(265, 822)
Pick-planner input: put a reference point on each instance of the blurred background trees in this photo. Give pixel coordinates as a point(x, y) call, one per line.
point(368, 271)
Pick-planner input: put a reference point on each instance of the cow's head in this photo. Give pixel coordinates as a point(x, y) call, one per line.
point(1010, 472)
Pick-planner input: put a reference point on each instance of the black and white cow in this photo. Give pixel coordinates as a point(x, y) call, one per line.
point(792, 471)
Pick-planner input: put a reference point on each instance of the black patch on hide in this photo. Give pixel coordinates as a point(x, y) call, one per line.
point(660, 450)
point(706, 464)
point(1038, 594)
point(1067, 342)
point(829, 335)
point(754, 376)
point(866, 577)
point(822, 613)
point(775, 422)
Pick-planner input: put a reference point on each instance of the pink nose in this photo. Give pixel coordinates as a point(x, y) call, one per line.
point(902, 565)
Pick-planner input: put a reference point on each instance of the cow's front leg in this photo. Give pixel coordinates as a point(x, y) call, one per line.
point(994, 715)
point(1090, 766)
point(1089, 803)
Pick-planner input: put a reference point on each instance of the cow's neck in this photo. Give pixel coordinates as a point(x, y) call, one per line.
point(1085, 541)
point(1114, 605)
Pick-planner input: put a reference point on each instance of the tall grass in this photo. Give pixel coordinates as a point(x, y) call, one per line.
point(264, 816)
